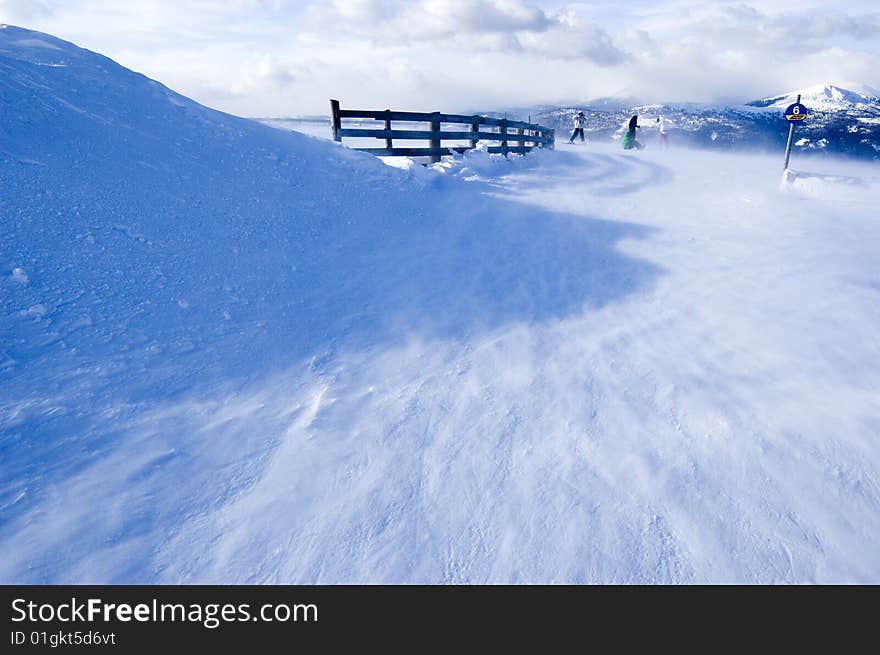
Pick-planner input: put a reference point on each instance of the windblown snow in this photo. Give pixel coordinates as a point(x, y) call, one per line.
point(235, 354)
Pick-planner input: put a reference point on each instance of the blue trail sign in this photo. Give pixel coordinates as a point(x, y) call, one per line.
point(795, 112)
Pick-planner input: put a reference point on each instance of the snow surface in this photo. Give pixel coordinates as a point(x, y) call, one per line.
point(234, 354)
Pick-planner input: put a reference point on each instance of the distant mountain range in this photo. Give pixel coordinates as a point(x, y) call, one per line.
point(841, 121)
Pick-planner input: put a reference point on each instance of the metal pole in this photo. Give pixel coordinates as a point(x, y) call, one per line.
point(790, 138)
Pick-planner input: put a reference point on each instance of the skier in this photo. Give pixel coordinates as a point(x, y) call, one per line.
point(661, 133)
point(629, 139)
point(580, 122)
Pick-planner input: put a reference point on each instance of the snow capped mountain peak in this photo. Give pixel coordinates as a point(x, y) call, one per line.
point(838, 95)
point(825, 97)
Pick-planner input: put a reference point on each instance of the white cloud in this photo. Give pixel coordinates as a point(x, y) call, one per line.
point(23, 11)
point(478, 25)
point(428, 19)
point(261, 57)
point(573, 38)
point(741, 52)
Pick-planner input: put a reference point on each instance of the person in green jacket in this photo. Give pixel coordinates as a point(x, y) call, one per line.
point(629, 139)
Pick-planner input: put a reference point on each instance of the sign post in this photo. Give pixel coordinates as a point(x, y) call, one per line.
point(793, 114)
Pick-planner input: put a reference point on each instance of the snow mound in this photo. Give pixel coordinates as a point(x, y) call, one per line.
point(160, 257)
point(478, 164)
point(829, 187)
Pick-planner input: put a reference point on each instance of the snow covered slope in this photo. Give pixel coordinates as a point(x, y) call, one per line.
point(826, 97)
point(235, 354)
point(157, 254)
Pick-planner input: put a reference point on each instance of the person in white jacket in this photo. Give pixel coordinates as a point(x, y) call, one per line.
point(580, 122)
point(661, 132)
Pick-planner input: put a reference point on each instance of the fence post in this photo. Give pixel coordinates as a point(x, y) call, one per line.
point(435, 140)
point(335, 121)
point(503, 132)
point(519, 132)
point(389, 144)
point(475, 127)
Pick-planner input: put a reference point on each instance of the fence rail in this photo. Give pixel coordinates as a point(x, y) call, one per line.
point(526, 136)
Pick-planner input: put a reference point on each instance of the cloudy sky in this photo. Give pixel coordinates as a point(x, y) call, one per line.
point(288, 57)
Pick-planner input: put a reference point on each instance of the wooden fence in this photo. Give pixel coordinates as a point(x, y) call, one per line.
point(481, 128)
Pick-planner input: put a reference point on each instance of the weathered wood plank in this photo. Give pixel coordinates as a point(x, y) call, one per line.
point(435, 142)
point(379, 115)
point(389, 142)
point(411, 152)
point(436, 152)
point(335, 120)
point(427, 135)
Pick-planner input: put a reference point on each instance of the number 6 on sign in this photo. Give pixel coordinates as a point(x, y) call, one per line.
point(795, 112)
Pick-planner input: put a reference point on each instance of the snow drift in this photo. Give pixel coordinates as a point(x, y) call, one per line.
point(234, 354)
point(153, 247)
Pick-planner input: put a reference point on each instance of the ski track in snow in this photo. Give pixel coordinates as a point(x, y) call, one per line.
point(577, 366)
